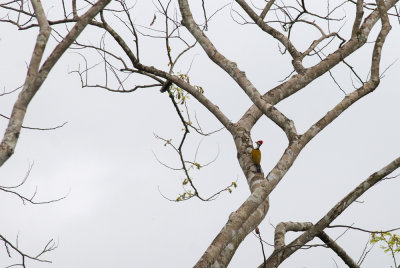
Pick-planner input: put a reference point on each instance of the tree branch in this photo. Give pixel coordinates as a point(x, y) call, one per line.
point(277, 257)
point(266, 9)
point(338, 250)
point(284, 227)
point(239, 76)
point(171, 78)
point(36, 77)
point(261, 189)
point(299, 81)
point(11, 135)
point(50, 246)
point(259, 20)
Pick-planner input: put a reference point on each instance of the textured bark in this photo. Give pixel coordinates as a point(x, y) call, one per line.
point(7, 146)
point(225, 244)
point(254, 209)
point(238, 75)
point(284, 227)
point(35, 76)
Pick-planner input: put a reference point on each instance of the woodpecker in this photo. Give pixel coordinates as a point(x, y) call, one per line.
point(256, 155)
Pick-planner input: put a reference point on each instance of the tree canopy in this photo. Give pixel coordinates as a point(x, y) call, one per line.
point(152, 110)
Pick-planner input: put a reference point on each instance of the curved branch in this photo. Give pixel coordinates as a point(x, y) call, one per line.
point(284, 227)
point(38, 128)
point(363, 230)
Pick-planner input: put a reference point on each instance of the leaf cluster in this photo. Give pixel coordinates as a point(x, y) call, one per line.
point(388, 242)
point(180, 94)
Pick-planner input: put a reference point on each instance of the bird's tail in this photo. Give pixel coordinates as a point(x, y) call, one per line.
point(258, 168)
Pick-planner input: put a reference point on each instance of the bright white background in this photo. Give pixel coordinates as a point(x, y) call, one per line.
point(115, 216)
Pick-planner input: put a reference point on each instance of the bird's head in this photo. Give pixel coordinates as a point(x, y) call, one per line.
point(259, 143)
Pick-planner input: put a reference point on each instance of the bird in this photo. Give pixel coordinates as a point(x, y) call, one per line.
point(256, 155)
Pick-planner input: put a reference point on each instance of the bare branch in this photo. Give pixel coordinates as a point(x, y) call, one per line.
point(361, 229)
point(188, 180)
point(36, 76)
point(174, 79)
point(11, 135)
point(31, 200)
point(365, 252)
point(37, 128)
point(9, 92)
point(338, 250)
point(299, 81)
point(50, 246)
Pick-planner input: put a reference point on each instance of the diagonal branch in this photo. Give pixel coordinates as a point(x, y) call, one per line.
point(239, 225)
point(214, 109)
point(36, 77)
point(11, 135)
point(338, 250)
point(295, 148)
point(368, 87)
point(239, 76)
point(299, 81)
point(350, 99)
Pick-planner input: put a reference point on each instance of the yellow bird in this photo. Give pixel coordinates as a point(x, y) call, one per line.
point(256, 156)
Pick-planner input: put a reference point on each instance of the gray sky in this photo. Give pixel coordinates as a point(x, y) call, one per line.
point(115, 216)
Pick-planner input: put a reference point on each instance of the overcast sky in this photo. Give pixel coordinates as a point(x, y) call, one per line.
point(103, 158)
